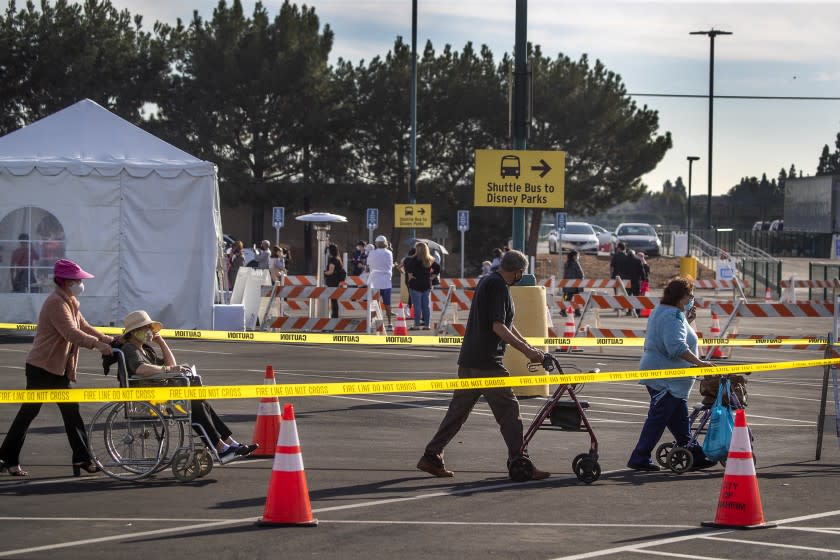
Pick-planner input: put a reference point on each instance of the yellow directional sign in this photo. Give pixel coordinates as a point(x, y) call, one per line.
point(520, 178)
point(413, 215)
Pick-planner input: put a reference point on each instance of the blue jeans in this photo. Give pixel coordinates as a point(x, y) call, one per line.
point(666, 411)
point(422, 307)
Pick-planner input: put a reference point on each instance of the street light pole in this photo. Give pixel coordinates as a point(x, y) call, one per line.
point(691, 160)
point(412, 186)
point(712, 33)
point(520, 109)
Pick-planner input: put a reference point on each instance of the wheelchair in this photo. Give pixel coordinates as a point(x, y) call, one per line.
point(134, 440)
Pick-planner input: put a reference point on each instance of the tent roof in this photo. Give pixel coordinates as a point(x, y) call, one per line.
point(86, 137)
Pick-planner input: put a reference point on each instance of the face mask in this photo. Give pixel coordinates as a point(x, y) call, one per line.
point(77, 289)
point(690, 303)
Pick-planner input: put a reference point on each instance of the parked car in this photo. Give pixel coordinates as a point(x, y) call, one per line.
point(578, 235)
point(777, 225)
point(639, 237)
point(604, 238)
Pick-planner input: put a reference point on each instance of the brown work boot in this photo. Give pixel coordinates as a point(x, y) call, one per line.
point(540, 475)
point(434, 466)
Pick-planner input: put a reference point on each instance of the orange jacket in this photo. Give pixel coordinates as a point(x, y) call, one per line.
point(61, 331)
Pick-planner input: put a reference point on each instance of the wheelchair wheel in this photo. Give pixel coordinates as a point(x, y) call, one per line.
point(205, 461)
point(521, 469)
point(588, 470)
point(680, 460)
point(186, 465)
point(175, 437)
point(128, 440)
point(661, 453)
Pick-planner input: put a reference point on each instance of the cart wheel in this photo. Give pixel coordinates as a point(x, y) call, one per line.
point(185, 465)
point(205, 462)
point(588, 470)
point(521, 469)
point(577, 460)
point(662, 454)
point(680, 460)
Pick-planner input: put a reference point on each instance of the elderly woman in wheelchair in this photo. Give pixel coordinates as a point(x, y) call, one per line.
point(141, 438)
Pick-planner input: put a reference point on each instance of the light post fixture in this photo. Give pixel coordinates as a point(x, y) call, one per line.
point(712, 33)
point(691, 160)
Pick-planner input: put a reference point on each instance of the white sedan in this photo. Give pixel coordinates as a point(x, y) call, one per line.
point(578, 236)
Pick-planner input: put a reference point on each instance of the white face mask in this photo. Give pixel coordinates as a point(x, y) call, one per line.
point(149, 336)
point(77, 289)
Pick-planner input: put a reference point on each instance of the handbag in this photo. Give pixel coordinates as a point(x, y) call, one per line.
point(721, 425)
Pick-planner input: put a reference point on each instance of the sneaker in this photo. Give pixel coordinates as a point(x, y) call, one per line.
point(434, 466)
point(540, 475)
point(228, 455)
point(648, 467)
point(243, 450)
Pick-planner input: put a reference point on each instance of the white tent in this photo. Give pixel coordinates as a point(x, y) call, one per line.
point(140, 214)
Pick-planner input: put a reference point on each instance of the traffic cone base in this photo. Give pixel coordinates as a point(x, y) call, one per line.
point(287, 503)
point(267, 426)
point(569, 331)
point(739, 504)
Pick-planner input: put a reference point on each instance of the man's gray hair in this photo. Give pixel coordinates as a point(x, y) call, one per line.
point(514, 261)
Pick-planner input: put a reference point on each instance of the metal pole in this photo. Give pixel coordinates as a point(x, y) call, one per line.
point(412, 187)
point(277, 236)
point(691, 160)
point(462, 253)
point(520, 109)
point(712, 33)
point(322, 235)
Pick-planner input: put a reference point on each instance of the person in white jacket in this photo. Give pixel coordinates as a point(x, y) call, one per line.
point(380, 262)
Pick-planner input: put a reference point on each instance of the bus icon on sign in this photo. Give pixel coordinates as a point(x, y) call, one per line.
point(510, 166)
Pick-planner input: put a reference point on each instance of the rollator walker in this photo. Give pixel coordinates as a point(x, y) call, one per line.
point(134, 440)
point(557, 414)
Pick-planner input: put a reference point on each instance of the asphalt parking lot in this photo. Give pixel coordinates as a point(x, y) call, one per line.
point(360, 451)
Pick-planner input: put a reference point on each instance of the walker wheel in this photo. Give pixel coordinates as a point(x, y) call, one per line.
point(185, 465)
point(662, 454)
point(521, 469)
point(577, 460)
point(588, 470)
point(680, 460)
point(205, 462)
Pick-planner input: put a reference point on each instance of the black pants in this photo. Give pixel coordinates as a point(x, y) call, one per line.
point(203, 414)
point(37, 378)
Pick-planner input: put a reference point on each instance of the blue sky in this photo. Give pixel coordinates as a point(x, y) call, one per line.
point(778, 49)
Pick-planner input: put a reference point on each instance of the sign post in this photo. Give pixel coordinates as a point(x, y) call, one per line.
point(278, 216)
point(372, 222)
point(463, 226)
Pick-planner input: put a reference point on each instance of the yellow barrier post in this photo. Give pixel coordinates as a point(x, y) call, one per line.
point(530, 320)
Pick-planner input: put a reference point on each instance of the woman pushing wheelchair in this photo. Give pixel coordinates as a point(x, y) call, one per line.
point(142, 361)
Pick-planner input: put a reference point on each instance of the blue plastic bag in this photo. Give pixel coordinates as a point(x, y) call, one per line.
point(721, 425)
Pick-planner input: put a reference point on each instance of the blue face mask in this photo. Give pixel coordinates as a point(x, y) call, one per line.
point(690, 304)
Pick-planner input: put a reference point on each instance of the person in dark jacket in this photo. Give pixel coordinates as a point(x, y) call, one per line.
point(618, 263)
point(420, 271)
point(334, 274)
point(572, 271)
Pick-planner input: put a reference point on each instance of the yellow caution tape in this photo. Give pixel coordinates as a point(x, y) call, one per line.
point(356, 388)
point(425, 340)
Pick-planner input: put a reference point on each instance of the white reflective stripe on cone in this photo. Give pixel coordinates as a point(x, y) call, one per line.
point(739, 467)
point(271, 408)
point(288, 462)
point(740, 441)
point(288, 434)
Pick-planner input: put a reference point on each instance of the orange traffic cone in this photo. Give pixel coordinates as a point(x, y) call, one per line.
point(268, 421)
point(645, 311)
point(569, 330)
point(288, 495)
point(768, 295)
point(400, 329)
point(410, 312)
point(739, 505)
point(715, 333)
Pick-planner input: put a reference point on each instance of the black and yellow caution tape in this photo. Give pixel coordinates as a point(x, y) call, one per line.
point(366, 387)
point(424, 340)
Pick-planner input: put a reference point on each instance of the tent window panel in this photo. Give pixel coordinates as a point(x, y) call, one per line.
point(31, 240)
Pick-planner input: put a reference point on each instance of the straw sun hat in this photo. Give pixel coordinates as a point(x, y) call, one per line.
point(137, 319)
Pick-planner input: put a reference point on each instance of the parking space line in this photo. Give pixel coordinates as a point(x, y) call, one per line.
point(674, 554)
point(774, 545)
point(635, 547)
point(835, 531)
point(504, 524)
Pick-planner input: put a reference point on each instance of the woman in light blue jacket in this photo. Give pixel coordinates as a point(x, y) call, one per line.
point(670, 342)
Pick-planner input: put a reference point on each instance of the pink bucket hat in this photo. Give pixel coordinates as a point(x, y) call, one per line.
point(69, 270)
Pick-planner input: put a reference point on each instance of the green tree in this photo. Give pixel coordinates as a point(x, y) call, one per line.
point(57, 54)
point(256, 96)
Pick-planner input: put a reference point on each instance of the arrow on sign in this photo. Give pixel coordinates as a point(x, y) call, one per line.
point(421, 211)
point(544, 167)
